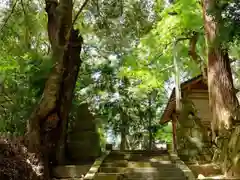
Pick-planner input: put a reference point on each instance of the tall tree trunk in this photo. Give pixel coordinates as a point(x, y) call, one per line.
point(72, 63)
point(150, 117)
point(150, 140)
point(123, 139)
point(47, 124)
point(123, 132)
point(223, 100)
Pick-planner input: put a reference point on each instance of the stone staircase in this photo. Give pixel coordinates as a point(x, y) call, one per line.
point(139, 165)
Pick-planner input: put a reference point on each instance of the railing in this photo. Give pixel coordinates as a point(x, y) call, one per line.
point(181, 165)
point(91, 174)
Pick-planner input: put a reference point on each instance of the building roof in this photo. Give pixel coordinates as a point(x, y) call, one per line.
point(194, 83)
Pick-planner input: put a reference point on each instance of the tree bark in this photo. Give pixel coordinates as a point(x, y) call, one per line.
point(72, 63)
point(123, 129)
point(174, 132)
point(150, 140)
point(222, 97)
point(47, 125)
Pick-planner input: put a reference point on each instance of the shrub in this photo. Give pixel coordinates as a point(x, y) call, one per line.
point(16, 163)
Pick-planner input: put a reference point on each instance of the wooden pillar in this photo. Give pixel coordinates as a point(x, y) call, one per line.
point(174, 132)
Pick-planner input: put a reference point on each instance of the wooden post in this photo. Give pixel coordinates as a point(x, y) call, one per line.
point(174, 131)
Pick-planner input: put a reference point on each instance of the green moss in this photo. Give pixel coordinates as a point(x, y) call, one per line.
point(191, 134)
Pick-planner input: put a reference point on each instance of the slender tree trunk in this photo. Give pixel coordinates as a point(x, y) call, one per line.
point(128, 143)
point(223, 100)
point(123, 141)
point(150, 140)
point(47, 124)
point(150, 118)
point(123, 131)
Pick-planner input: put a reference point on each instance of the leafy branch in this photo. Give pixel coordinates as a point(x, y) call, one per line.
point(79, 11)
point(9, 16)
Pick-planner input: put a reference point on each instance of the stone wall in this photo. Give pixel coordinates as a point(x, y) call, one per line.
point(227, 151)
point(193, 143)
point(83, 140)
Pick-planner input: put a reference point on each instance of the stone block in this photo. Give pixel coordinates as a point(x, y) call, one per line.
point(83, 151)
point(73, 171)
point(108, 176)
point(89, 136)
point(112, 169)
point(83, 140)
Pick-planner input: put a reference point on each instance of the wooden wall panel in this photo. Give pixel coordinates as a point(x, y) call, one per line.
point(201, 102)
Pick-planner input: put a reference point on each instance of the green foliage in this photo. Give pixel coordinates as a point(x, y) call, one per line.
point(24, 66)
point(164, 133)
point(103, 138)
point(230, 23)
point(22, 86)
point(127, 60)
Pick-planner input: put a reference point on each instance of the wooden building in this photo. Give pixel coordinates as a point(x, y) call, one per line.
point(191, 126)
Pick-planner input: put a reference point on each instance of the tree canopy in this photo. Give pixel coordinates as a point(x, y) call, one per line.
point(133, 54)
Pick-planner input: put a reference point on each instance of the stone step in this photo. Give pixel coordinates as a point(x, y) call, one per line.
point(108, 176)
point(154, 169)
point(116, 162)
point(219, 177)
point(139, 170)
point(138, 166)
point(131, 164)
point(160, 152)
point(160, 174)
point(163, 164)
point(109, 164)
point(137, 154)
point(67, 179)
point(157, 178)
point(70, 171)
point(137, 158)
point(112, 169)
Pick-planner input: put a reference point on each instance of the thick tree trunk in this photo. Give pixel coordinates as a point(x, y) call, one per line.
point(72, 63)
point(223, 100)
point(47, 124)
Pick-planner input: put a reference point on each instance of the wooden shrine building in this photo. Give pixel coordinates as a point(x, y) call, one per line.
point(191, 126)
